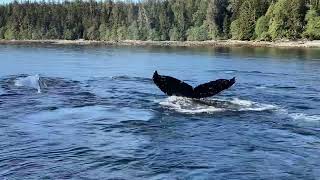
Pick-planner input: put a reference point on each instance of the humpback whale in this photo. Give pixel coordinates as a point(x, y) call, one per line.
point(172, 86)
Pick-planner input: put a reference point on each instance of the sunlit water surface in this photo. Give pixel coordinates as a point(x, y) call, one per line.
point(94, 113)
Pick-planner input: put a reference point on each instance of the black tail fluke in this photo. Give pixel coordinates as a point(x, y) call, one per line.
point(212, 88)
point(172, 86)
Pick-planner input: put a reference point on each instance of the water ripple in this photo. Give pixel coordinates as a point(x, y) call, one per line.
point(101, 117)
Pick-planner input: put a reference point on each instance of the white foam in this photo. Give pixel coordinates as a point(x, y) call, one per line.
point(191, 106)
point(229, 72)
point(260, 107)
point(188, 106)
point(260, 87)
point(246, 105)
point(34, 82)
point(304, 117)
point(242, 102)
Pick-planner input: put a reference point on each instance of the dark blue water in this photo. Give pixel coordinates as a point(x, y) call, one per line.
point(98, 115)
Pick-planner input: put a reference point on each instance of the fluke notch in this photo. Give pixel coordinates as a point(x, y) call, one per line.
point(172, 86)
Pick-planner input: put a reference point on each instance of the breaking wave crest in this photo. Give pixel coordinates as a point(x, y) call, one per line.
point(194, 106)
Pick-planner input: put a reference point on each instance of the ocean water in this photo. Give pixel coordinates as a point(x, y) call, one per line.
point(77, 112)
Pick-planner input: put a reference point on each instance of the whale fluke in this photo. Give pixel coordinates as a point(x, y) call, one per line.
point(172, 86)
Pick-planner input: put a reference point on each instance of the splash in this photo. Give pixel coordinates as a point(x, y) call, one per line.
point(35, 82)
point(194, 106)
point(245, 105)
point(188, 106)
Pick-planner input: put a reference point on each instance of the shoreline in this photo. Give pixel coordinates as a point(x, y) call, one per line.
point(212, 43)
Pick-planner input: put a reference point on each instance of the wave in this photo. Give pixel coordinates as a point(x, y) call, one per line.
point(305, 117)
point(68, 113)
point(131, 78)
point(282, 87)
point(91, 113)
point(1, 91)
point(235, 71)
point(194, 106)
point(253, 72)
point(261, 87)
point(33, 81)
point(276, 87)
point(298, 116)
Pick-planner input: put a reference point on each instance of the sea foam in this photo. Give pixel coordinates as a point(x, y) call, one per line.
point(194, 106)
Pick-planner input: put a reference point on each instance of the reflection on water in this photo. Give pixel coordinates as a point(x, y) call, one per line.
point(75, 112)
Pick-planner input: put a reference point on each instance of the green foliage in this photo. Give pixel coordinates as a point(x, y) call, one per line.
point(26, 34)
point(313, 25)
point(200, 15)
point(246, 20)
point(92, 34)
point(315, 5)
point(154, 35)
point(234, 29)
point(197, 33)
point(114, 33)
point(68, 35)
point(176, 20)
point(133, 31)
point(261, 29)
point(37, 35)
point(178, 9)
point(244, 26)
point(2, 31)
point(226, 27)
point(211, 30)
point(52, 33)
point(287, 19)
point(174, 34)
point(11, 33)
point(122, 33)
point(104, 32)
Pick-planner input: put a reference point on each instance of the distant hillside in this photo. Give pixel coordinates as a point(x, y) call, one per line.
point(162, 20)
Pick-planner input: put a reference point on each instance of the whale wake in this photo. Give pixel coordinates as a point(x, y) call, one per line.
point(195, 106)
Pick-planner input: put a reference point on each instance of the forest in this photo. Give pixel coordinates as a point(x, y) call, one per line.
point(161, 20)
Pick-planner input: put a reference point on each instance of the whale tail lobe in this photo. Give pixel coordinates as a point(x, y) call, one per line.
point(172, 86)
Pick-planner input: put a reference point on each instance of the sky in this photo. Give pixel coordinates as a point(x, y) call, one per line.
point(4, 1)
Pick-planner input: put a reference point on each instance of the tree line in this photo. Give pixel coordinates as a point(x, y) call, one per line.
point(159, 20)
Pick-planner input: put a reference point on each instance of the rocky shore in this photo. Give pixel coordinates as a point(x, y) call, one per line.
point(215, 43)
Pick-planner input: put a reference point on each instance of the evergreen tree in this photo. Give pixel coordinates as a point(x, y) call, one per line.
point(250, 11)
point(261, 28)
point(176, 20)
point(313, 25)
point(287, 19)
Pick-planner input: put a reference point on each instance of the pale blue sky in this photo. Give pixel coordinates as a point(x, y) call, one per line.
point(4, 1)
